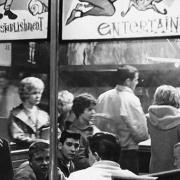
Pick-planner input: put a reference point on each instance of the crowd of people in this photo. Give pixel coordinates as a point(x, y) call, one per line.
point(97, 138)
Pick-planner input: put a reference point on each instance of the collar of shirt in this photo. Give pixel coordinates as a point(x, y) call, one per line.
point(124, 88)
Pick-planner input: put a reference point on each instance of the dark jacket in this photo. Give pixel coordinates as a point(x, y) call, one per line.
point(62, 165)
point(6, 169)
point(81, 161)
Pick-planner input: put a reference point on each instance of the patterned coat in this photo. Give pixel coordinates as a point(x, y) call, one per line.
point(23, 130)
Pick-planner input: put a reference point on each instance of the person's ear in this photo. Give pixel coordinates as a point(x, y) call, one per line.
point(30, 163)
point(60, 145)
point(127, 82)
point(96, 156)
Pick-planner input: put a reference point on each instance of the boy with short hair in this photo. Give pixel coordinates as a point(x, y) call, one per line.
point(68, 146)
point(105, 150)
point(38, 158)
point(37, 166)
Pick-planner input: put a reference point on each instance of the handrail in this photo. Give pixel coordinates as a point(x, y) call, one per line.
point(19, 151)
point(167, 175)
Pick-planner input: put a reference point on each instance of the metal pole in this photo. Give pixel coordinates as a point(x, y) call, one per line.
point(54, 55)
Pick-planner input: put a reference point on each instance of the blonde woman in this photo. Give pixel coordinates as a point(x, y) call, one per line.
point(27, 121)
point(164, 127)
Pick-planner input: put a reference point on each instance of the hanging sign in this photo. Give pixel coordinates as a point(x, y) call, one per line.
point(23, 19)
point(108, 19)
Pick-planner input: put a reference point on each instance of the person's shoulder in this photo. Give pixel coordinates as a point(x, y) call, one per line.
point(72, 128)
point(122, 173)
point(24, 171)
point(43, 116)
point(106, 93)
point(42, 112)
point(78, 174)
point(17, 109)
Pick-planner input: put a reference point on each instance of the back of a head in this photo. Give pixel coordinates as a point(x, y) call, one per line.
point(65, 96)
point(106, 145)
point(167, 95)
point(124, 72)
point(65, 101)
point(69, 134)
point(81, 102)
point(38, 146)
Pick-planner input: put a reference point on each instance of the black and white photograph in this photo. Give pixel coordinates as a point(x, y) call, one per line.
point(90, 90)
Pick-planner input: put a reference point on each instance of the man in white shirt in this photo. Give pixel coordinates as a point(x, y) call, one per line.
point(119, 111)
point(104, 156)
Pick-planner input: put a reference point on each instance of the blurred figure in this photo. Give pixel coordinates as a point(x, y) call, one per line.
point(104, 156)
point(84, 110)
point(6, 169)
point(67, 148)
point(119, 111)
point(28, 123)
point(164, 127)
point(177, 155)
point(37, 168)
point(65, 102)
point(9, 97)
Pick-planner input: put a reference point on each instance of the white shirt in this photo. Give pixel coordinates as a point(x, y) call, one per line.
point(101, 170)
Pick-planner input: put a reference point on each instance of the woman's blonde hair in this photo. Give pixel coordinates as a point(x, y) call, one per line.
point(27, 85)
point(167, 95)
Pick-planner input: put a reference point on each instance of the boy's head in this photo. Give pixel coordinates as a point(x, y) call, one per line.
point(83, 102)
point(127, 75)
point(30, 85)
point(105, 145)
point(39, 158)
point(177, 155)
point(69, 144)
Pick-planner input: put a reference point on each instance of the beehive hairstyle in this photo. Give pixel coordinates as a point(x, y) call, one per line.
point(27, 85)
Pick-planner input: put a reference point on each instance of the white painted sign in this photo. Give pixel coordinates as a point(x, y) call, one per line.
point(108, 19)
point(23, 19)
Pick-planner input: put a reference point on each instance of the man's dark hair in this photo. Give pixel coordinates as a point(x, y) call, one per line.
point(38, 146)
point(106, 145)
point(69, 134)
point(124, 72)
point(81, 102)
